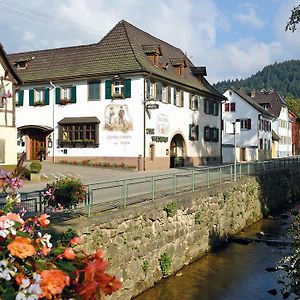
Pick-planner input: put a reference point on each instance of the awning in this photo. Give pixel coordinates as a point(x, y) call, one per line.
point(43, 128)
point(79, 120)
point(275, 136)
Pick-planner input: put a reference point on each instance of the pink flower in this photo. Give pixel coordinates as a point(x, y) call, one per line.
point(76, 241)
point(43, 220)
point(12, 217)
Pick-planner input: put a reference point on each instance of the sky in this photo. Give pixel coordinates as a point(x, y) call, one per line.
point(232, 38)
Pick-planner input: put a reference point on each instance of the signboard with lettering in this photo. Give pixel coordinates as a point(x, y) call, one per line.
point(152, 106)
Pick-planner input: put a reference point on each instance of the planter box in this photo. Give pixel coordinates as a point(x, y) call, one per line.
point(35, 177)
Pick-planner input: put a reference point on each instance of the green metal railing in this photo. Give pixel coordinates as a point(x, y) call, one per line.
point(112, 194)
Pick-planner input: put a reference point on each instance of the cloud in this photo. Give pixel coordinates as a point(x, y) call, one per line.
point(249, 17)
point(205, 29)
point(28, 36)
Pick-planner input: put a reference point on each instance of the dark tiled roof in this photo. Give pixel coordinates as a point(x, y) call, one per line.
point(79, 120)
point(275, 136)
point(120, 51)
point(9, 66)
point(253, 103)
point(272, 98)
point(150, 48)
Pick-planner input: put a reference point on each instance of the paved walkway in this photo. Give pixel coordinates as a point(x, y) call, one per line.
point(50, 172)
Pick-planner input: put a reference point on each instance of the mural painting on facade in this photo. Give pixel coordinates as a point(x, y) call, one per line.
point(162, 124)
point(117, 118)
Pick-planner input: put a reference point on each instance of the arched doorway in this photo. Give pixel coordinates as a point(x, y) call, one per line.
point(36, 140)
point(177, 151)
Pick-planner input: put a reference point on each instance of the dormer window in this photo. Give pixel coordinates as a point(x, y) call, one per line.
point(22, 63)
point(179, 65)
point(153, 52)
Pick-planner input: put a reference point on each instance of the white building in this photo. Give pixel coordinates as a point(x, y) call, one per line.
point(282, 125)
point(254, 140)
point(131, 98)
point(8, 80)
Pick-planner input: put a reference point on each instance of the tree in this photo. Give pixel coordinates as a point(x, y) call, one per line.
point(294, 19)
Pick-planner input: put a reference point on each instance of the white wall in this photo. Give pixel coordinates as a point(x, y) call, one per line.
point(7, 126)
point(248, 139)
point(123, 144)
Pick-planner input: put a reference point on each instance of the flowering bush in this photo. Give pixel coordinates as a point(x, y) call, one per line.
point(65, 193)
point(32, 267)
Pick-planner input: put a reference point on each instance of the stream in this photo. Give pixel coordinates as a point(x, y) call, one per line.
point(232, 272)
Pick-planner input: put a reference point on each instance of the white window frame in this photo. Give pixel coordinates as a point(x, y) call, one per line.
point(165, 96)
point(118, 87)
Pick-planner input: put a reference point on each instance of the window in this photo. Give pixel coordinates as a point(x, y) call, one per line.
point(66, 92)
point(79, 131)
point(65, 95)
point(118, 89)
point(193, 132)
point(211, 107)
point(193, 102)
point(211, 134)
point(150, 89)
point(159, 91)
point(19, 97)
point(245, 124)
point(94, 90)
point(178, 98)
point(229, 106)
point(261, 144)
point(165, 94)
point(37, 96)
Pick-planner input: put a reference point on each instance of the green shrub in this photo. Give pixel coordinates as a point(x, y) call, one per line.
point(35, 167)
point(25, 173)
point(145, 265)
point(198, 218)
point(165, 264)
point(67, 235)
point(65, 192)
point(170, 209)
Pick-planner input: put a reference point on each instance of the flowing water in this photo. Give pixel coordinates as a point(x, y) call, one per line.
point(234, 272)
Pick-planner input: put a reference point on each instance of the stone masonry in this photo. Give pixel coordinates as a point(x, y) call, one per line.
point(183, 227)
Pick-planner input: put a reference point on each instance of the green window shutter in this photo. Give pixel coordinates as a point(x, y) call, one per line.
point(57, 95)
point(217, 135)
point(190, 132)
point(191, 97)
point(108, 89)
point(147, 88)
point(211, 134)
point(197, 103)
point(159, 88)
point(169, 94)
point(46, 99)
point(20, 97)
point(211, 107)
point(197, 132)
point(174, 97)
point(127, 84)
point(206, 106)
point(73, 94)
point(31, 97)
point(94, 90)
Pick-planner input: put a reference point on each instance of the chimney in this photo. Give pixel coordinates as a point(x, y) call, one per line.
point(252, 94)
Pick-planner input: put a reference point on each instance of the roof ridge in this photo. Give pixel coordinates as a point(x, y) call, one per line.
point(51, 49)
point(129, 41)
point(145, 32)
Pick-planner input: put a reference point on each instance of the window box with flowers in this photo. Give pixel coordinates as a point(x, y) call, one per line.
point(64, 101)
point(39, 103)
point(117, 96)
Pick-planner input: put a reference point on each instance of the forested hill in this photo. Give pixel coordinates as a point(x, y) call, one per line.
point(283, 77)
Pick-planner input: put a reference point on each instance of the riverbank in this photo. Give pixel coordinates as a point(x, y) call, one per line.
point(234, 271)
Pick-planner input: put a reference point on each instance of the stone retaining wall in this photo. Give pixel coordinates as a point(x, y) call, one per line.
point(139, 239)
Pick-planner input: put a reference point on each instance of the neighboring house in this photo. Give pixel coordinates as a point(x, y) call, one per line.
point(255, 137)
point(275, 104)
point(295, 133)
point(8, 80)
point(131, 98)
